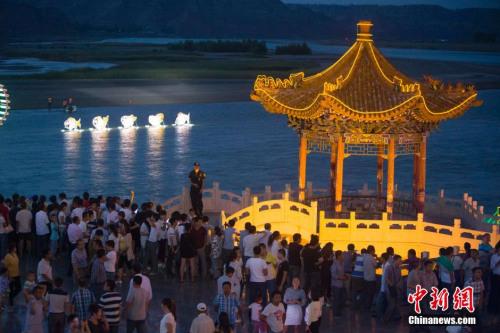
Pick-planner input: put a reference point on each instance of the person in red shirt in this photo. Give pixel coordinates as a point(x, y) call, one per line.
point(199, 236)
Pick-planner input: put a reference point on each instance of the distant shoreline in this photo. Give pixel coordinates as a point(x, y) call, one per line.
point(205, 80)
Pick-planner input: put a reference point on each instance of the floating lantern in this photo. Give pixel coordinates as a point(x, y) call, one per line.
point(156, 120)
point(183, 119)
point(128, 121)
point(71, 124)
point(4, 104)
point(100, 123)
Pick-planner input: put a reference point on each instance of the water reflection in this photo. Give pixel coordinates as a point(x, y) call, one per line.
point(98, 167)
point(156, 136)
point(127, 155)
point(71, 161)
point(182, 150)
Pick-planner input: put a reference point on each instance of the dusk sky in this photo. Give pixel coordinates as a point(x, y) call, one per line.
point(444, 3)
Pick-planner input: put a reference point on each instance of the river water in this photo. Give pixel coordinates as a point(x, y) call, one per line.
point(238, 144)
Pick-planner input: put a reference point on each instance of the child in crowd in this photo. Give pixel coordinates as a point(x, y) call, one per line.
point(274, 314)
point(28, 286)
point(313, 314)
point(259, 325)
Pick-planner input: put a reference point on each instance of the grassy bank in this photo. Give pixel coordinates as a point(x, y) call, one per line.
point(157, 62)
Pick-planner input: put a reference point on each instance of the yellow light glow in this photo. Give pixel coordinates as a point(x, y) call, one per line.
point(100, 123)
point(71, 124)
point(156, 120)
point(128, 121)
point(183, 119)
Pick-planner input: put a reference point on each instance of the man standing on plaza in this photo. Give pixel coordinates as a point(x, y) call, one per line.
point(197, 177)
point(202, 323)
point(136, 306)
point(199, 236)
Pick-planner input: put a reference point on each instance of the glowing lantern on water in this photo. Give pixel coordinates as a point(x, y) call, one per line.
point(156, 120)
point(4, 104)
point(183, 119)
point(71, 124)
point(128, 121)
point(100, 123)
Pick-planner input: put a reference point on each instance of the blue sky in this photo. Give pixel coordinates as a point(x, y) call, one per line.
point(444, 3)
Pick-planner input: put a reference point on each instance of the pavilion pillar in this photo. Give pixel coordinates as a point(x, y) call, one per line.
point(380, 171)
point(333, 170)
point(339, 174)
point(421, 174)
point(415, 177)
point(391, 156)
point(302, 167)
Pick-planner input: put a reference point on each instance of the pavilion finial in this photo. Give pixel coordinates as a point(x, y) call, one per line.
point(364, 31)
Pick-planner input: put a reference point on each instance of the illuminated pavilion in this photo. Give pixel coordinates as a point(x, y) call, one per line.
point(362, 105)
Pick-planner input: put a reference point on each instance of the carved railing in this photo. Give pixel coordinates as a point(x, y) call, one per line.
point(363, 202)
point(287, 216)
point(214, 201)
point(402, 235)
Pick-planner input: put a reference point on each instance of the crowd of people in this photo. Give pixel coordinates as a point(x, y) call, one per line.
point(110, 250)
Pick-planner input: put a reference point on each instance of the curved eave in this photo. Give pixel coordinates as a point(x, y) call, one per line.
point(337, 109)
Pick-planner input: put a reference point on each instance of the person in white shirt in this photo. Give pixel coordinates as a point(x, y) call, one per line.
point(110, 262)
point(42, 223)
point(231, 278)
point(152, 245)
point(23, 219)
point(112, 216)
point(369, 277)
point(312, 317)
point(274, 313)
point(257, 271)
point(202, 323)
point(249, 242)
point(470, 263)
point(126, 210)
point(74, 232)
point(168, 324)
point(267, 233)
point(78, 209)
point(44, 269)
point(146, 282)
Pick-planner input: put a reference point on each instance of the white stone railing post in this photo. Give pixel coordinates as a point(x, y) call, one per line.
point(419, 228)
point(254, 211)
point(286, 206)
point(246, 198)
point(309, 190)
point(268, 192)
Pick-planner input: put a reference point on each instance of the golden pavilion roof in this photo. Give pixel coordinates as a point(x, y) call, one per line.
point(362, 86)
